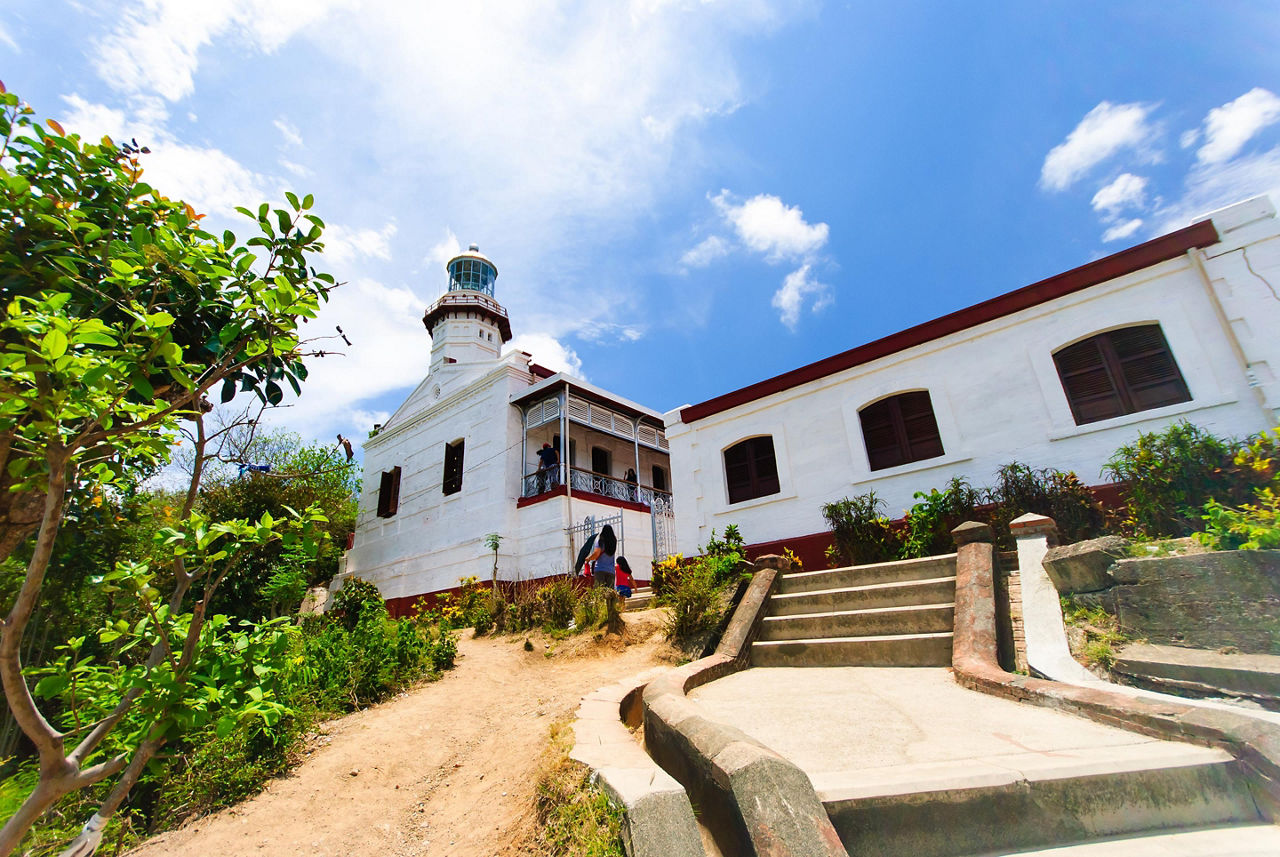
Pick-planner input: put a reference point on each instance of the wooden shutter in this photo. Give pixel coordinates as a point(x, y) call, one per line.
point(1120, 372)
point(453, 467)
point(750, 469)
point(389, 493)
point(899, 430)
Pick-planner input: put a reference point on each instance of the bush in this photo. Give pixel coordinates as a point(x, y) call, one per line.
point(861, 531)
point(557, 602)
point(931, 520)
point(1171, 475)
point(693, 602)
point(1020, 489)
point(1255, 525)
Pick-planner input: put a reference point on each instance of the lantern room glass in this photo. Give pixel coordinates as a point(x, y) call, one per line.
point(471, 275)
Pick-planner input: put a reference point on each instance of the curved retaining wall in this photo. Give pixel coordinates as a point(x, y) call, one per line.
point(755, 801)
point(974, 661)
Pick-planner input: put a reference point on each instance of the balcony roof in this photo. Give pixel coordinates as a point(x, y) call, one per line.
point(591, 393)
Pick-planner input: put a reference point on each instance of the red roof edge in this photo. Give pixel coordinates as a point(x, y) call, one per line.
point(540, 371)
point(1144, 255)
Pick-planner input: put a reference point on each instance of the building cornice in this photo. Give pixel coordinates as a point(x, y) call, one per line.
point(1128, 261)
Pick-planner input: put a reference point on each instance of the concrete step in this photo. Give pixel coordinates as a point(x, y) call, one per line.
point(640, 599)
point(875, 621)
point(1055, 800)
point(1241, 840)
point(896, 650)
point(925, 568)
point(1201, 672)
point(912, 593)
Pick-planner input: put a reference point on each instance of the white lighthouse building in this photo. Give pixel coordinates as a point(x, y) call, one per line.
point(458, 461)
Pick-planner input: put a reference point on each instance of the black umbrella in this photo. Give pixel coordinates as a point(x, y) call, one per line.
point(585, 552)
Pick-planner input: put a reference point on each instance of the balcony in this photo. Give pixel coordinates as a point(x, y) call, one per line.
point(588, 484)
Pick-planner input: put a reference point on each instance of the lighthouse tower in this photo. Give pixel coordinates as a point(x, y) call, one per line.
point(466, 324)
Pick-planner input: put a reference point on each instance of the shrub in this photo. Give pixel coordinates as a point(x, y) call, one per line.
point(556, 602)
point(666, 573)
point(931, 520)
point(354, 599)
point(1171, 475)
point(592, 609)
point(1020, 489)
point(693, 602)
point(861, 531)
point(1254, 525)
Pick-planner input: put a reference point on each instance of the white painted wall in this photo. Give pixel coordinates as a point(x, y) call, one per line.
point(996, 393)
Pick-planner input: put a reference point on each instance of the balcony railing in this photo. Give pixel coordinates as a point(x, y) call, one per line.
point(589, 482)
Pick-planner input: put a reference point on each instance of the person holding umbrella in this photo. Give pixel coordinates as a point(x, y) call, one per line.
point(603, 556)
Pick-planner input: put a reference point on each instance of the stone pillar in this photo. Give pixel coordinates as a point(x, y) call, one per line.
point(1047, 651)
point(974, 641)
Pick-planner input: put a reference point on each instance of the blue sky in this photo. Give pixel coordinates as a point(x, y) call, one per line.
point(681, 197)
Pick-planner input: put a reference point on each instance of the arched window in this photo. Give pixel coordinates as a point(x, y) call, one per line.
point(900, 429)
point(750, 469)
point(1120, 372)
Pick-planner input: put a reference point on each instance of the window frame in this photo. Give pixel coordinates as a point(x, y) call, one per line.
point(454, 463)
point(758, 482)
point(1126, 393)
point(389, 493)
point(910, 444)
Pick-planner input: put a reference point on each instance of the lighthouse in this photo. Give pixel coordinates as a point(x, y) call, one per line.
point(467, 324)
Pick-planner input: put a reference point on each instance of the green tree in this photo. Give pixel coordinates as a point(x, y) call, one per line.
point(118, 314)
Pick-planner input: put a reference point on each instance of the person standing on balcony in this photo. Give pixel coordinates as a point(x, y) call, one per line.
point(549, 467)
point(606, 547)
point(633, 492)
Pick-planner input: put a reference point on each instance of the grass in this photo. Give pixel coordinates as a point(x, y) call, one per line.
point(576, 818)
point(1101, 632)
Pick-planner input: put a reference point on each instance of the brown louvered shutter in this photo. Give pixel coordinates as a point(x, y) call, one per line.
point(900, 429)
point(1120, 372)
point(750, 469)
point(389, 493)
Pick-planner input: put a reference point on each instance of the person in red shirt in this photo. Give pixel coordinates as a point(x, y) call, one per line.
point(623, 579)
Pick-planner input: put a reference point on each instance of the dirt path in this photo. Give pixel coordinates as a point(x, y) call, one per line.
point(448, 769)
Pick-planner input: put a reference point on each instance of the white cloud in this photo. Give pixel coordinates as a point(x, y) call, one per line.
point(1104, 131)
point(297, 169)
point(208, 179)
point(766, 225)
point(289, 131)
point(611, 332)
point(705, 252)
point(1122, 230)
point(343, 244)
point(547, 351)
point(7, 39)
point(1189, 138)
point(1209, 187)
point(389, 351)
point(442, 251)
point(155, 46)
point(798, 286)
point(1229, 127)
point(1126, 191)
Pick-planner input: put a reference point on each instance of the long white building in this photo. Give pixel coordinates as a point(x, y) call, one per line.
point(1057, 374)
point(458, 461)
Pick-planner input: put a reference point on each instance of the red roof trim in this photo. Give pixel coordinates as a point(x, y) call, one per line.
point(540, 371)
point(1144, 255)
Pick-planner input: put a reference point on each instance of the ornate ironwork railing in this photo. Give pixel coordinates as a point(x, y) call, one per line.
point(588, 482)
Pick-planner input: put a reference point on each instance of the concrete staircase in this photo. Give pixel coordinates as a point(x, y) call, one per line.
point(641, 599)
point(886, 614)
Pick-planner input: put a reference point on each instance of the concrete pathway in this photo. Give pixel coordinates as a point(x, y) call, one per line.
point(1254, 840)
point(860, 731)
